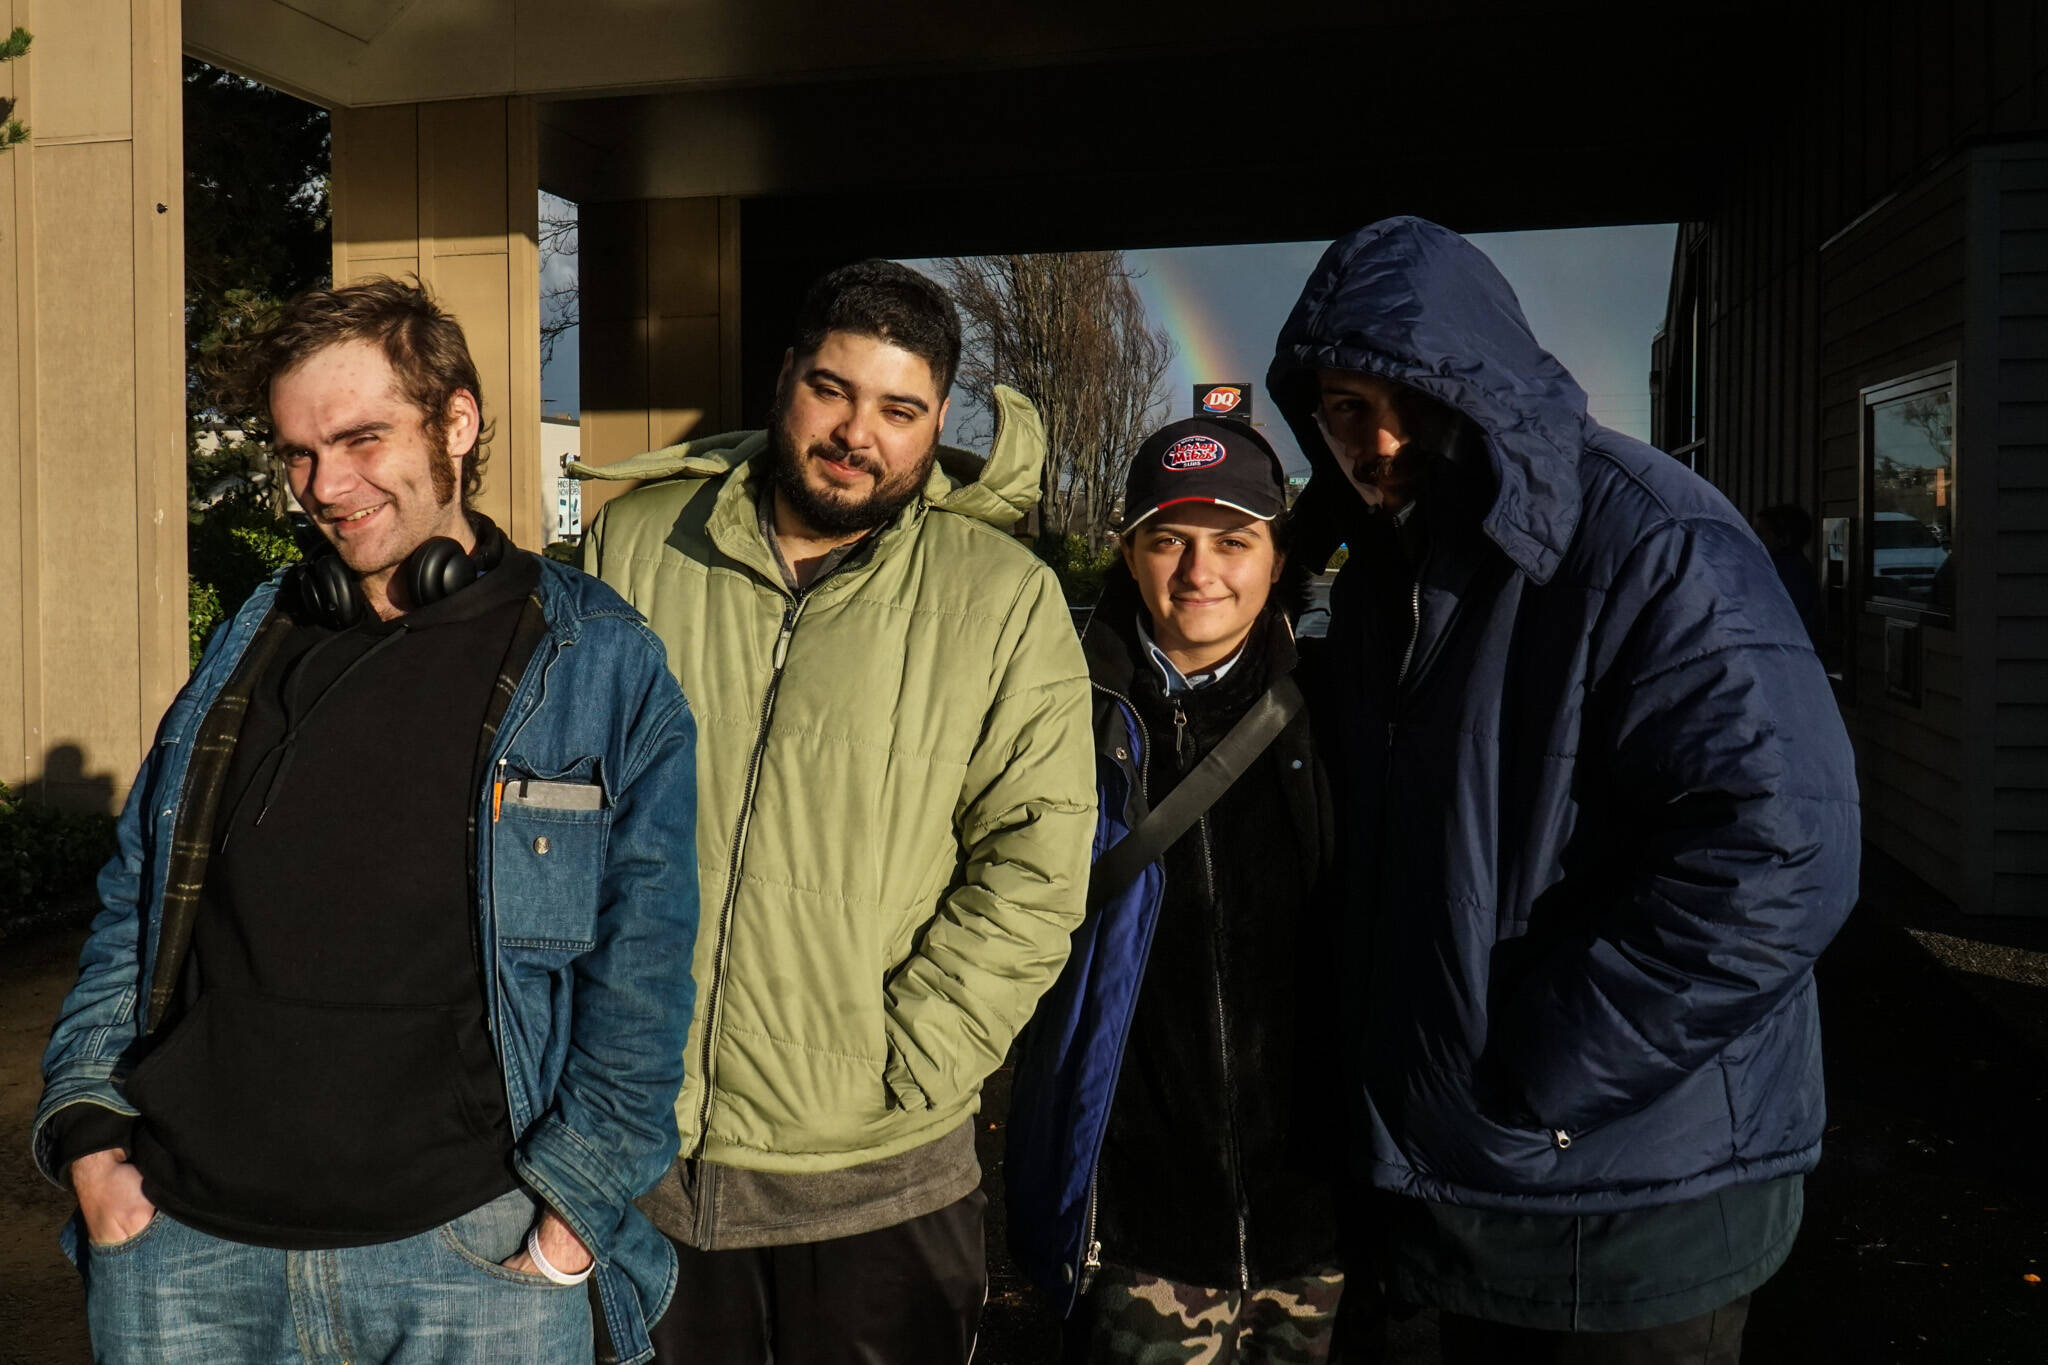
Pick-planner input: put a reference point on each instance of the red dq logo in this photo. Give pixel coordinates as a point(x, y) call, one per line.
point(1193, 452)
point(1222, 398)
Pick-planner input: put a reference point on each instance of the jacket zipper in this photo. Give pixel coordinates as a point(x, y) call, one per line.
point(1407, 655)
point(1144, 750)
point(790, 614)
point(1244, 1273)
point(1091, 1261)
point(1414, 631)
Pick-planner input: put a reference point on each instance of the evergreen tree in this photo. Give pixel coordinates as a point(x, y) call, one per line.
point(12, 131)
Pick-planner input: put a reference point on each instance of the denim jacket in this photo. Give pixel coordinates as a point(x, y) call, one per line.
point(586, 951)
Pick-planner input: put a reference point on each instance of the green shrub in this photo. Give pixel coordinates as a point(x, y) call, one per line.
point(233, 546)
point(1079, 566)
point(48, 855)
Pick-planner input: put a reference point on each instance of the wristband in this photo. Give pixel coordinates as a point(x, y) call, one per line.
point(547, 1270)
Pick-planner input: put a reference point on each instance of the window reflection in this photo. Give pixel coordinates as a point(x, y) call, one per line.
point(1911, 532)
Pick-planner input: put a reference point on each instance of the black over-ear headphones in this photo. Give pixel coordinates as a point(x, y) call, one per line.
point(324, 589)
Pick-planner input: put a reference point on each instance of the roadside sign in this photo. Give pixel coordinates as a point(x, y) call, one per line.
point(568, 508)
point(1232, 400)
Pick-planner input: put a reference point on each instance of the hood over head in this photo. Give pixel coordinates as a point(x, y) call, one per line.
point(998, 489)
point(1417, 304)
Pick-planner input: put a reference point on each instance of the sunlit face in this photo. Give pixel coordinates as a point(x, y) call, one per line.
point(361, 463)
point(1366, 435)
point(1204, 573)
point(856, 428)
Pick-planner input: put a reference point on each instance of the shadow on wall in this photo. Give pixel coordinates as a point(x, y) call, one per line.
point(66, 785)
point(55, 833)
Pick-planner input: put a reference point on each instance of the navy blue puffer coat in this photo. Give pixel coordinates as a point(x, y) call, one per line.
point(1606, 819)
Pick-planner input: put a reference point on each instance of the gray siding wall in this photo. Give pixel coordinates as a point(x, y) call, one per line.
point(1909, 82)
point(1892, 303)
point(2012, 223)
point(1869, 159)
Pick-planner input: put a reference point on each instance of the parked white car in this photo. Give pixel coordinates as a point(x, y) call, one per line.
point(1905, 554)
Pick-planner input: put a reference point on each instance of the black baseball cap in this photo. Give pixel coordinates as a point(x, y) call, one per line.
point(1200, 459)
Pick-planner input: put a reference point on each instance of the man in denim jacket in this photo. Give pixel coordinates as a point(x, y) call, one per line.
point(379, 1031)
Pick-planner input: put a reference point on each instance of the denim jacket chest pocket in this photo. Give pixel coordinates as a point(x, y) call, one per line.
point(548, 861)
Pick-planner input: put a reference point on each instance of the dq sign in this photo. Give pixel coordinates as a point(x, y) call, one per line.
point(1224, 400)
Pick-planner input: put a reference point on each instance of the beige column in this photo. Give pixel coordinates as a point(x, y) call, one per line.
point(660, 327)
point(92, 421)
point(450, 192)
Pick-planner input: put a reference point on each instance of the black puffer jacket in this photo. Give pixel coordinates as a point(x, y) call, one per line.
point(1219, 1162)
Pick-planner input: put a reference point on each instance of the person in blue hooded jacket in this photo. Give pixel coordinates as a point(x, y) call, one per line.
point(1603, 820)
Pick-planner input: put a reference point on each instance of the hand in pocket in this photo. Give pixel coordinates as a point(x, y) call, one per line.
point(110, 1197)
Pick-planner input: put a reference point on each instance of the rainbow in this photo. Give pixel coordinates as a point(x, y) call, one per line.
point(1188, 292)
point(1204, 352)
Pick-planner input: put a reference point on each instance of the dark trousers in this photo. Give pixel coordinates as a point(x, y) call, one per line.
point(910, 1294)
point(1712, 1338)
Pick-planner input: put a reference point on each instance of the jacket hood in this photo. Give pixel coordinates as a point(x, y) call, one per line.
point(1417, 304)
point(998, 489)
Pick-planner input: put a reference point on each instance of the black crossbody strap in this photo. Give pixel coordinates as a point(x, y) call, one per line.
point(1223, 765)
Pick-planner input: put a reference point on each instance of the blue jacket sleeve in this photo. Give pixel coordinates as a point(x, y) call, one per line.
point(104, 1013)
point(101, 1017)
point(1713, 739)
point(609, 1132)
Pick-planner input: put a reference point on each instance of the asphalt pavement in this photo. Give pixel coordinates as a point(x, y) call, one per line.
point(1926, 1216)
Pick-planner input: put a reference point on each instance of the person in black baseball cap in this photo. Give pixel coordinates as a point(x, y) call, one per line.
point(1204, 506)
point(1167, 1181)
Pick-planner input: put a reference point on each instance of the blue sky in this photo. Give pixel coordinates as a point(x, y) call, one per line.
point(1594, 296)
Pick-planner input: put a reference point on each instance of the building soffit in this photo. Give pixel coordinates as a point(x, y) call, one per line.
point(363, 20)
point(746, 98)
point(356, 53)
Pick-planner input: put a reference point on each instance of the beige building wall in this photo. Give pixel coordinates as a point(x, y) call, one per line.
point(451, 192)
point(660, 290)
point(92, 469)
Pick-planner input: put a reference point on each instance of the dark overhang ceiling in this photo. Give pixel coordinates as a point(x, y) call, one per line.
point(1065, 124)
point(1513, 122)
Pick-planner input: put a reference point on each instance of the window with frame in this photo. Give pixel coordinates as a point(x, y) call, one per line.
point(1909, 496)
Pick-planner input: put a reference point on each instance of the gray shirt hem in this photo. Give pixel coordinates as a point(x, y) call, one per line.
point(718, 1208)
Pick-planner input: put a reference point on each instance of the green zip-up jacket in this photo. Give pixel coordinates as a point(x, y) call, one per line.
point(895, 796)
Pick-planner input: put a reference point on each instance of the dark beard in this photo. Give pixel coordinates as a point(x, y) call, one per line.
point(825, 515)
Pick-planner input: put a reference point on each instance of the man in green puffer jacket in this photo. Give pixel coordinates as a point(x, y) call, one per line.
point(896, 803)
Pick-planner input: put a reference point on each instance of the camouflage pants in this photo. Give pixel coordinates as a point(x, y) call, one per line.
point(1140, 1319)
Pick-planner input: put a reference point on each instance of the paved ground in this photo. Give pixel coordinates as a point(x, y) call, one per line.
point(41, 1310)
point(1931, 1201)
point(1930, 1206)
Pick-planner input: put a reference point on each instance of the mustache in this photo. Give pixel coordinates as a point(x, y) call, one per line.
point(1401, 466)
point(826, 450)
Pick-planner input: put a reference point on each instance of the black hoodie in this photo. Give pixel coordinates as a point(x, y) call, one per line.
point(1218, 1167)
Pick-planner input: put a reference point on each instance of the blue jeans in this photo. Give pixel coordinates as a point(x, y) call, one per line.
point(172, 1295)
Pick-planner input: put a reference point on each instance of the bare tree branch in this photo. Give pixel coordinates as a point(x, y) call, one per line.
point(561, 300)
point(1070, 332)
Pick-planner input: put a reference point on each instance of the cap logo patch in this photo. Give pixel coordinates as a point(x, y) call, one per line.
point(1193, 452)
point(1222, 398)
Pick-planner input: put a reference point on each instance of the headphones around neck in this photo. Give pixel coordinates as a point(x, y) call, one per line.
point(324, 589)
